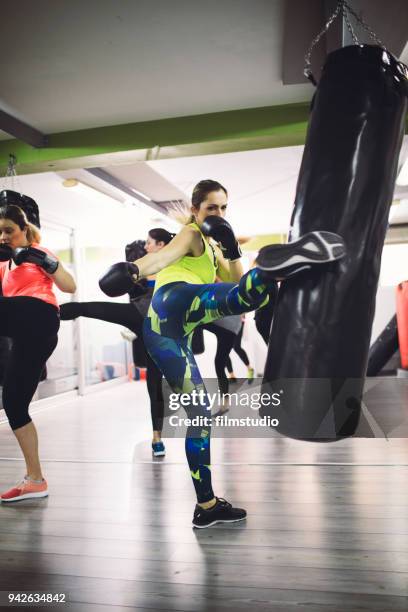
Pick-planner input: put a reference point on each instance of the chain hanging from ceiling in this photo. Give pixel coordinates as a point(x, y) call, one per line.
point(10, 179)
point(344, 10)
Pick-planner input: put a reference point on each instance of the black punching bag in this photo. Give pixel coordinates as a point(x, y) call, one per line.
point(322, 323)
point(383, 348)
point(29, 206)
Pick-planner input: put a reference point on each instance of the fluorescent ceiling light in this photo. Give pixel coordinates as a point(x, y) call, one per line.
point(402, 179)
point(139, 193)
point(90, 192)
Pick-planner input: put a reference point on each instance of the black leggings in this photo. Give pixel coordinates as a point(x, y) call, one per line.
point(225, 342)
point(263, 318)
point(32, 325)
point(129, 316)
point(239, 351)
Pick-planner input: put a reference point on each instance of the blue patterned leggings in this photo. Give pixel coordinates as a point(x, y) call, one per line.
point(176, 309)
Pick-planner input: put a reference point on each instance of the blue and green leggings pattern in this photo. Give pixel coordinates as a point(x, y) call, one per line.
point(176, 309)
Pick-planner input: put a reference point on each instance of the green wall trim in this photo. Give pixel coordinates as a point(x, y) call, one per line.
point(274, 126)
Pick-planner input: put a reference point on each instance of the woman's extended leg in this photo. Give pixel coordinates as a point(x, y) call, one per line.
point(213, 302)
point(225, 342)
point(129, 316)
point(242, 354)
point(264, 315)
point(238, 348)
point(121, 314)
point(177, 308)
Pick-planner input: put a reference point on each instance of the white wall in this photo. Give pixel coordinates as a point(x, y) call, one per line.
point(102, 220)
point(394, 269)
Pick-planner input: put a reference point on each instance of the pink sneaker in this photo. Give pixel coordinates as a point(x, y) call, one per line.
point(26, 489)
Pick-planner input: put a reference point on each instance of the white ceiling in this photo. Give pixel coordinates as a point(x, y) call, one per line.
point(144, 177)
point(89, 63)
point(261, 184)
point(100, 221)
point(85, 63)
point(82, 64)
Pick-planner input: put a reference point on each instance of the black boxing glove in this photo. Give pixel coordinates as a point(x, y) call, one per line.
point(220, 230)
point(139, 289)
point(119, 280)
point(135, 250)
point(6, 252)
point(32, 255)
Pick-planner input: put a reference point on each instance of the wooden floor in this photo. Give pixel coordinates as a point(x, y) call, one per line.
point(327, 526)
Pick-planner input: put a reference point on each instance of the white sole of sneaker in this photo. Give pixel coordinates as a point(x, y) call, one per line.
point(159, 454)
point(26, 496)
point(219, 521)
point(313, 248)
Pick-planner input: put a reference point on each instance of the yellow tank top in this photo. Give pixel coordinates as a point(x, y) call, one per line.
point(197, 270)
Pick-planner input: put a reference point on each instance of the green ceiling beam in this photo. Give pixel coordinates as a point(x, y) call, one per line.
point(255, 128)
point(240, 130)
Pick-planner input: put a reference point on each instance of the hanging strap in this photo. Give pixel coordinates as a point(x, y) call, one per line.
point(343, 9)
point(11, 180)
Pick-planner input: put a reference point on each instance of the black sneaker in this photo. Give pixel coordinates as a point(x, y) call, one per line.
point(221, 512)
point(283, 260)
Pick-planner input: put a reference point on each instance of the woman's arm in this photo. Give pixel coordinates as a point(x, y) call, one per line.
point(187, 241)
point(228, 271)
point(63, 279)
point(51, 265)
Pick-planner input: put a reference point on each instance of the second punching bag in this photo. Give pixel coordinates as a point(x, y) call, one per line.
point(322, 323)
point(402, 320)
point(383, 348)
